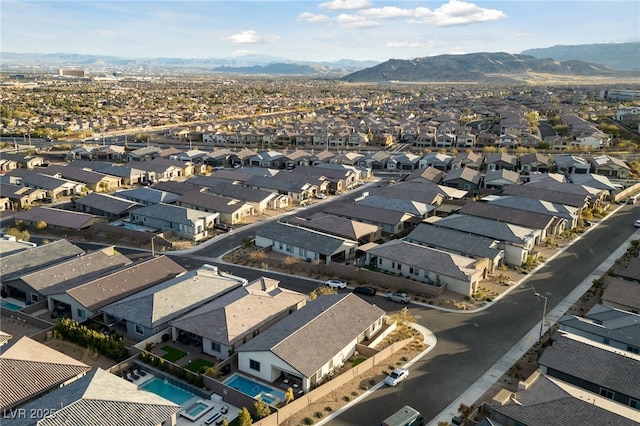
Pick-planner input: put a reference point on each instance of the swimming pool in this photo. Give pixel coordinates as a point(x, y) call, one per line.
point(167, 390)
point(196, 410)
point(255, 389)
point(10, 306)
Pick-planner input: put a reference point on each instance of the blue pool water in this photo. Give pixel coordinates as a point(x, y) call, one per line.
point(10, 306)
point(167, 390)
point(255, 389)
point(196, 409)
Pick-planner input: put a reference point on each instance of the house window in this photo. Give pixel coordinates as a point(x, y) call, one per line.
point(215, 346)
point(280, 245)
point(81, 313)
point(139, 329)
point(606, 393)
point(634, 403)
point(605, 341)
point(34, 297)
point(289, 248)
point(633, 349)
point(399, 267)
point(302, 252)
point(254, 365)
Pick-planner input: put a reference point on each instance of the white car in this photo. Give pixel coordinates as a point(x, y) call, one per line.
point(336, 284)
point(320, 196)
point(399, 297)
point(637, 223)
point(396, 376)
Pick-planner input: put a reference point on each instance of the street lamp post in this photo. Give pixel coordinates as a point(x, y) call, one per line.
point(544, 313)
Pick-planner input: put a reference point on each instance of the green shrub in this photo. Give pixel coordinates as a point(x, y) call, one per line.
point(318, 414)
point(308, 421)
point(346, 398)
point(328, 409)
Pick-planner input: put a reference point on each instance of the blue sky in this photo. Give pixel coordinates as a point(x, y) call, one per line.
point(310, 30)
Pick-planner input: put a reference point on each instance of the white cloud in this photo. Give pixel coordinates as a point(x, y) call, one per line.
point(387, 12)
point(312, 17)
point(402, 44)
point(346, 4)
point(355, 21)
point(244, 37)
point(457, 13)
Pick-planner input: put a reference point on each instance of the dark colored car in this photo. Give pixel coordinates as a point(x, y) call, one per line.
point(365, 291)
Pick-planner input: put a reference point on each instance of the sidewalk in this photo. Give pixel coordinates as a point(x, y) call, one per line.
point(489, 378)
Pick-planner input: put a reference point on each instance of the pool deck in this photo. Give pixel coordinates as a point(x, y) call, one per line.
point(216, 407)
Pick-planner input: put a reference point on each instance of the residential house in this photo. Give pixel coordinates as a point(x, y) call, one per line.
point(391, 221)
point(231, 320)
point(142, 154)
point(127, 174)
point(149, 311)
point(230, 210)
point(97, 182)
point(430, 174)
point(37, 285)
point(534, 163)
point(471, 160)
point(570, 164)
point(628, 269)
point(465, 179)
point(435, 160)
point(306, 244)
point(106, 205)
point(54, 187)
point(571, 358)
point(299, 193)
point(340, 227)
point(20, 197)
point(547, 224)
point(542, 400)
point(620, 293)
point(458, 242)
point(147, 196)
point(516, 241)
point(31, 369)
point(554, 193)
point(114, 153)
point(86, 298)
point(401, 204)
point(376, 160)
point(188, 223)
point(403, 161)
point(313, 341)
point(500, 161)
point(498, 179)
point(98, 397)
point(610, 166)
point(57, 218)
point(17, 264)
point(23, 161)
point(259, 199)
point(568, 213)
point(429, 265)
point(609, 326)
point(599, 182)
point(268, 159)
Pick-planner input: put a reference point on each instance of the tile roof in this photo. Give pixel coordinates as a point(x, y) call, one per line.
point(387, 202)
point(628, 267)
point(147, 195)
point(38, 257)
point(335, 225)
point(72, 272)
point(304, 238)
point(608, 323)
point(171, 213)
point(29, 368)
point(622, 293)
point(107, 203)
point(573, 356)
point(538, 206)
point(211, 202)
point(124, 282)
point(515, 216)
point(161, 303)
point(59, 218)
point(549, 402)
point(99, 399)
point(455, 241)
point(310, 337)
point(490, 228)
point(230, 317)
point(368, 214)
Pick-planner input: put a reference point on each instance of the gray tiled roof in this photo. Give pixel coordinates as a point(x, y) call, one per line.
point(486, 227)
point(29, 368)
point(547, 404)
point(335, 225)
point(211, 202)
point(464, 173)
point(551, 195)
point(575, 357)
point(240, 192)
point(171, 213)
point(524, 218)
point(426, 258)
point(58, 217)
point(453, 240)
point(107, 203)
point(124, 282)
point(230, 317)
point(367, 213)
point(608, 323)
point(147, 195)
point(98, 399)
point(538, 206)
point(161, 303)
point(308, 338)
point(628, 268)
point(300, 237)
point(38, 257)
point(70, 273)
point(622, 292)
point(414, 207)
point(276, 184)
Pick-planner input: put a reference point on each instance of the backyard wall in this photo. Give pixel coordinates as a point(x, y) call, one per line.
point(303, 401)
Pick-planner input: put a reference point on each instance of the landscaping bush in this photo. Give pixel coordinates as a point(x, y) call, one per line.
point(318, 414)
point(76, 333)
point(308, 421)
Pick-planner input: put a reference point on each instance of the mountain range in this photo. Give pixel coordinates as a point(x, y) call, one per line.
point(592, 60)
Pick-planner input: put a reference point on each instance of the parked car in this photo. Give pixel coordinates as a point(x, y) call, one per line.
point(320, 196)
point(637, 223)
point(399, 297)
point(396, 376)
point(632, 200)
point(365, 291)
point(333, 283)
